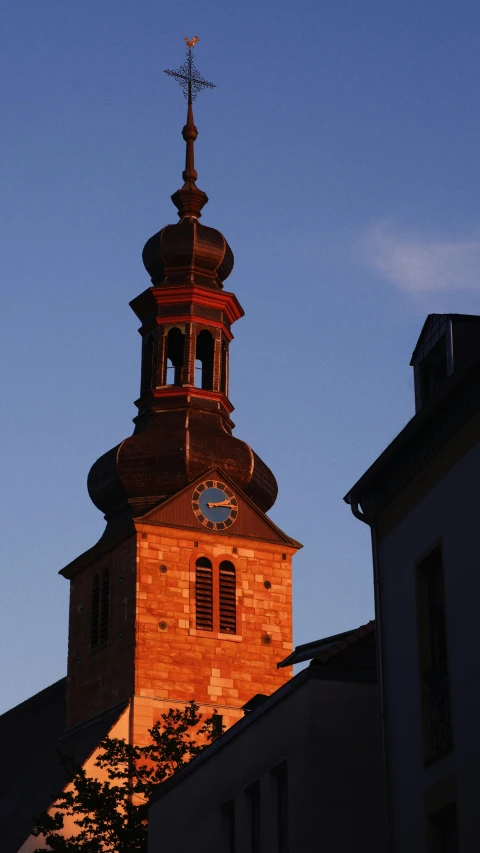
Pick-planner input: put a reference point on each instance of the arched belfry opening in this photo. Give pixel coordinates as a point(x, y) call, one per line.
point(148, 366)
point(204, 361)
point(224, 369)
point(175, 348)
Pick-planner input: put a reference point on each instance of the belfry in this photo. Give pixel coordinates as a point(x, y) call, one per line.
point(187, 595)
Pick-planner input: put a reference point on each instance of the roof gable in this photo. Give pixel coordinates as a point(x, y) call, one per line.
point(324, 650)
point(430, 327)
point(251, 522)
point(31, 736)
point(435, 326)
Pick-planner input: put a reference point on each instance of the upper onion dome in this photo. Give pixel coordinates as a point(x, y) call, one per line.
point(189, 252)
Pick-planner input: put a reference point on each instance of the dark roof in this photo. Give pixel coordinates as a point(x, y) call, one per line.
point(347, 666)
point(439, 419)
point(432, 318)
point(350, 649)
point(32, 776)
point(307, 651)
point(254, 702)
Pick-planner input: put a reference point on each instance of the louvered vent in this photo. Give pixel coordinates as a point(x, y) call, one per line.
point(105, 606)
point(204, 594)
point(95, 611)
point(228, 620)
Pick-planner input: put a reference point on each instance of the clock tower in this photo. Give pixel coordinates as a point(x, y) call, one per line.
point(187, 595)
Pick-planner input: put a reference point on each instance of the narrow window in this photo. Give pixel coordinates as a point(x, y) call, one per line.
point(105, 606)
point(228, 826)
point(432, 648)
point(227, 590)
point(204, 361)
point(254, 817)
point(204, 594)
point(280, 784)
point(217, 725)
point(175, 346)
point(95, 612)
point(443, 830)
point(147, 366)
point(224, 369)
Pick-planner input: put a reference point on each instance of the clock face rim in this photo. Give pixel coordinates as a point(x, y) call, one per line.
point(229, 494)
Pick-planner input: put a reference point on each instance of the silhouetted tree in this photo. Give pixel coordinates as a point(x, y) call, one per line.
point(111, 815)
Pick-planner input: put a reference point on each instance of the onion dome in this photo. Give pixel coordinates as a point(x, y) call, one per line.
point(150, 466)
point(189, 252)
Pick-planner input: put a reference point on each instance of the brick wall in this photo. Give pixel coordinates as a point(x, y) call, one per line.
point(174, 662)
point(154, 651)
point(100, 678)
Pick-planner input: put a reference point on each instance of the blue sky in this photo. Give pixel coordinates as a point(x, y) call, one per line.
point(340, 154)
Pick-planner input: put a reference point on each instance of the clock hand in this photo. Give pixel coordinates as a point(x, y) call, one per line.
point(225, 503)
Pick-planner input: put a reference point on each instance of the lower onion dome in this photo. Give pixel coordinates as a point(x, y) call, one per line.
point(173, 450)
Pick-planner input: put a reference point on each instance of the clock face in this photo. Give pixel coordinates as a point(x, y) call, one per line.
point(215, 505)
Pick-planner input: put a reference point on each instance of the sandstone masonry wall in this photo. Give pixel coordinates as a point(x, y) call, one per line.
point(175, 662)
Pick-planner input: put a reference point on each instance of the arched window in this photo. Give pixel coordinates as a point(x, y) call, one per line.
point(175, 346)
point(227, 598)
point(224, 369)
point(204, 361)
point(100, 612)
point(95, 612)
point(148, 356)
point(204, 594)
point(215, 596)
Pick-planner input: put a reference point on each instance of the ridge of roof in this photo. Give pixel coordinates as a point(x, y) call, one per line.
point(429, 320)
point(326, 648)
point(36, 697)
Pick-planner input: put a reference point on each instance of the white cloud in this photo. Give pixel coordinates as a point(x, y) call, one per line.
point(420, 266)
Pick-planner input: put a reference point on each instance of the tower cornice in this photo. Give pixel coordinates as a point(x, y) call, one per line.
point(164, 297)
point(189, 395)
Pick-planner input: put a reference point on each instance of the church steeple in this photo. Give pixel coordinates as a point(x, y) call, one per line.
point(183, 427)
point(188, 592)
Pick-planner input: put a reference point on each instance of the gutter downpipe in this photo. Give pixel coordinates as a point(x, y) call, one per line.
point(355, 507)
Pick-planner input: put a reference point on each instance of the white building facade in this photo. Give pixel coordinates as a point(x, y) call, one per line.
point(420, 499)
point(301, 773)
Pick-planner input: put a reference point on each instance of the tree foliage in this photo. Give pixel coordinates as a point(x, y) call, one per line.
point(111, 813)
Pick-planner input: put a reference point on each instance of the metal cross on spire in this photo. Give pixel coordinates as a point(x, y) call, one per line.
point(190, 200)
point(187, 75)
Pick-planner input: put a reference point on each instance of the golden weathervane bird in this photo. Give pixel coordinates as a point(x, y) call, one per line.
point(187, 75)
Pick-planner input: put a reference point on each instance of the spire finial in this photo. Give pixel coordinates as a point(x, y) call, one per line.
point(190, 200)
point(187, 75)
